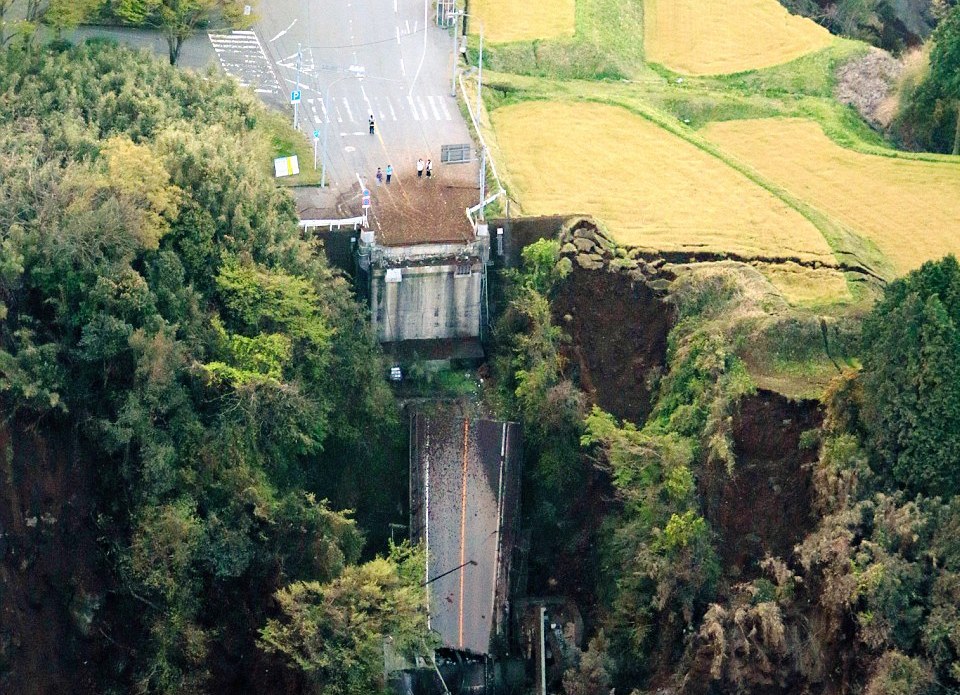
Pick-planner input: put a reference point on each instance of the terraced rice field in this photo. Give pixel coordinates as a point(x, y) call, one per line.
point(652, 189)
point(509, 20)
point(910, 209)
point(720, 37)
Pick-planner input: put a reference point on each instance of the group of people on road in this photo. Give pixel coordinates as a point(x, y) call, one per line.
point(381, 172)
point(421, 167)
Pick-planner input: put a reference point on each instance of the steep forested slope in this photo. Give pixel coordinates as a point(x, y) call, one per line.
point(214, 378)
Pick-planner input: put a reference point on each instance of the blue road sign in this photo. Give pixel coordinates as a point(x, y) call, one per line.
point(316, 135)
point(295, 97)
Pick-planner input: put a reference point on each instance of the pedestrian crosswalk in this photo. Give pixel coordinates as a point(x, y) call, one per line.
point(384, 109)
point(242, 56)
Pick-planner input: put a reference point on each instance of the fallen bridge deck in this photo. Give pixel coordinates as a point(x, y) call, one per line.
point(464, 502)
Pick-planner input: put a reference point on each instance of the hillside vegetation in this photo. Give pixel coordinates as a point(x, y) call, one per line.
point(159, 308)
point(765, 501)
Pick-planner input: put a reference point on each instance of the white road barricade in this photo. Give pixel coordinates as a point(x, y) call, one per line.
point(333, 224)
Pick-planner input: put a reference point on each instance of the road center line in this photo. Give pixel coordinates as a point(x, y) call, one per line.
point(463, 524)
point(398, 35)
point(284, 31)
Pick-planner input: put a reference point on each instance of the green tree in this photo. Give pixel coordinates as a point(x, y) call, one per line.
point(335, 632)
point(911, 380)
point(178, 20)
point(592, 674)
point(945, 65)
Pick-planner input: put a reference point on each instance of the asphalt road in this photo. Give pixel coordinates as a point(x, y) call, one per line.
point(383, 57)
point(467, 476)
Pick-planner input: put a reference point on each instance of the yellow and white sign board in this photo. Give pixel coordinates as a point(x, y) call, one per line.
point(286, 166)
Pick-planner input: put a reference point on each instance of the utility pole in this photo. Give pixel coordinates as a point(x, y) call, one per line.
point(483, 177)
point(480, 73)
point(543, 653)
point(328, 110)
point(296, 104)
point(453, 72)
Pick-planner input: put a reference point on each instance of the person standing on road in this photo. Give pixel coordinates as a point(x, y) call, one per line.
point(379, 176)
point(429, 168)
point(371, 124)
point(389, 172)
point(419, 168)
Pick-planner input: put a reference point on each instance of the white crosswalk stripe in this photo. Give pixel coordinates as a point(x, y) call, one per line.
point(446, 113)
point(344, 109)
point(433, 107)
point(241, 55)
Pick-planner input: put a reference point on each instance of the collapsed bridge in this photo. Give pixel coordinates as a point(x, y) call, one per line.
point(464, 508)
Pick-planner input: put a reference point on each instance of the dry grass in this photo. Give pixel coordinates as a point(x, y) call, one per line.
point(508, 20)
point(803, 286)
point(909, 208)
point(652, 189)
point(725, 36)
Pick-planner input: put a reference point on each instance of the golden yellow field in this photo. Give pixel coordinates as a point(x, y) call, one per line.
point(712, 37)
point(652, 189)
point(910, 209)
point(509, 20)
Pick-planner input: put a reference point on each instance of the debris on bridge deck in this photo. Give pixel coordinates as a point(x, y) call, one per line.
point(464, 506)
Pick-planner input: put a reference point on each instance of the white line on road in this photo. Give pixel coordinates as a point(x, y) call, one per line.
point(366, 99)
point(433, 107)
point(392, 112)
point(380, 112)
point(323, 107)
point(398, 36)
point(423, 107)
point(413, 107)
point(339, 117)
point(407, 23)
point(285, 30)
point(346, 105)
point(403, 70)
point(443, 105)
point(426, 516)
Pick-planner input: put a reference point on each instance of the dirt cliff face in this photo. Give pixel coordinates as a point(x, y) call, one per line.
point(51, 586)
point(618, 329)
point(763, 506)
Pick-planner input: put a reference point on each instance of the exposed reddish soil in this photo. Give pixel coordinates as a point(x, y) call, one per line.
point(619, 329)
point(763, 506)
point(50, 581)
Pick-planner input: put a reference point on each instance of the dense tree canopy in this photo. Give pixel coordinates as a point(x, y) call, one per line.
point(155, 293)
point(911, 380)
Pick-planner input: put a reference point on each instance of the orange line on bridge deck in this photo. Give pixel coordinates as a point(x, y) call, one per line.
point(463, 523)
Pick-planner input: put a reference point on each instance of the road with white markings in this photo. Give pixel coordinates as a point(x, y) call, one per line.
point(385, 57)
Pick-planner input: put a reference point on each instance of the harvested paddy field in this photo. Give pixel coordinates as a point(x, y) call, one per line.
point(909, 208)
point(507, 20)
point(713, 38)
point(652, 190)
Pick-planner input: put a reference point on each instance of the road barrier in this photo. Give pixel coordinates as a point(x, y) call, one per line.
point(354, 222)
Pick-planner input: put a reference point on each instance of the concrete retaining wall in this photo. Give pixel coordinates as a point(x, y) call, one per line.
point(429, 302)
